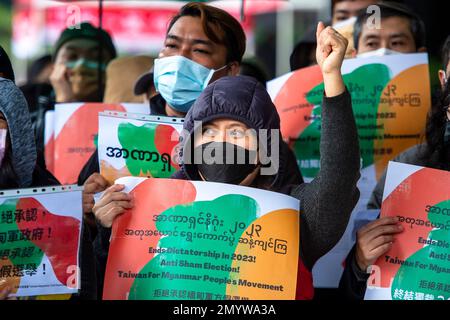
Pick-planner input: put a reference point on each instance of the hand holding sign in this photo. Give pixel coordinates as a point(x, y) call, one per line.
point(111, 204)
point(375, 239)
point(330, 53)
point(94, 184)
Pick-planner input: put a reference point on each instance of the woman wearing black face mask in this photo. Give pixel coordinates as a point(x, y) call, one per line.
point(227, 123)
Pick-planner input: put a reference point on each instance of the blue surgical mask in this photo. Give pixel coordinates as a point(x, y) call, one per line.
point(180, 81)
point(89, 64)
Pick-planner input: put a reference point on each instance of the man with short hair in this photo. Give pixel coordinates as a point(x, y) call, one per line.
point(400, 31)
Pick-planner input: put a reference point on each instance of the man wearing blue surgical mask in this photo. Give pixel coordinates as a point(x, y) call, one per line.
point(400, 31)
point(202, 44)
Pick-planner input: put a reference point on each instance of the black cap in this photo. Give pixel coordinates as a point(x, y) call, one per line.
point(144, 83)
point(86, 31)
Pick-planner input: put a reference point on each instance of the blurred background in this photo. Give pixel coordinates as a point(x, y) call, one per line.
point(29, 28)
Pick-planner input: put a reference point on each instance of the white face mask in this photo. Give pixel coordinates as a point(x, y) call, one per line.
point(377, 53)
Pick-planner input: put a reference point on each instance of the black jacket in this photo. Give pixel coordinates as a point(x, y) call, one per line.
point(289, 175)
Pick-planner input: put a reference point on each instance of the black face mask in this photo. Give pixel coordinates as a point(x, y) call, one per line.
point(224, 162)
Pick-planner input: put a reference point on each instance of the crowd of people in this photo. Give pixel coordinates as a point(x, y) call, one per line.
point(200, 75)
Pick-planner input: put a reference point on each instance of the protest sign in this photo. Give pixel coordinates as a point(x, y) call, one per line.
point(328, 269)
point(49, 141)
point(390, 113)
point(137, 145)
point(75, 135)
point(417, 267)
point(390, 109)
point(202, 240)
point(39, 240)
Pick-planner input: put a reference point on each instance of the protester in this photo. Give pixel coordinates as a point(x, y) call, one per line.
point(198, 42)
point(303, 54)
point(19, 169)
point(203, 43)
point(75, 76)
point(18, 165)
point(375, 239)
point(38, 85)
point(400, 31)
point(230, 106)
point(79, 55)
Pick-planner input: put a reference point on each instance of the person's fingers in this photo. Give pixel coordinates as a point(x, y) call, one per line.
point(111, 197)
point(377, 223)
point(95, 183)
point(107, 217)
point(379, 241)
point(367, 254)
point(90, 189)
point(59, 71)
point(383, 230)
point(332, 41)
point(320, 28)
point(379, 251)
point(114, 188)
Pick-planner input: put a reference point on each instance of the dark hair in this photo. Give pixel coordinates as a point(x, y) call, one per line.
point(5, 66)
point(435, 127)
point(37, 67)
point(334, 2)
point(446, 53)
point(301, 55)
point(252, 68)
point(393, 9)
point(219, 26)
